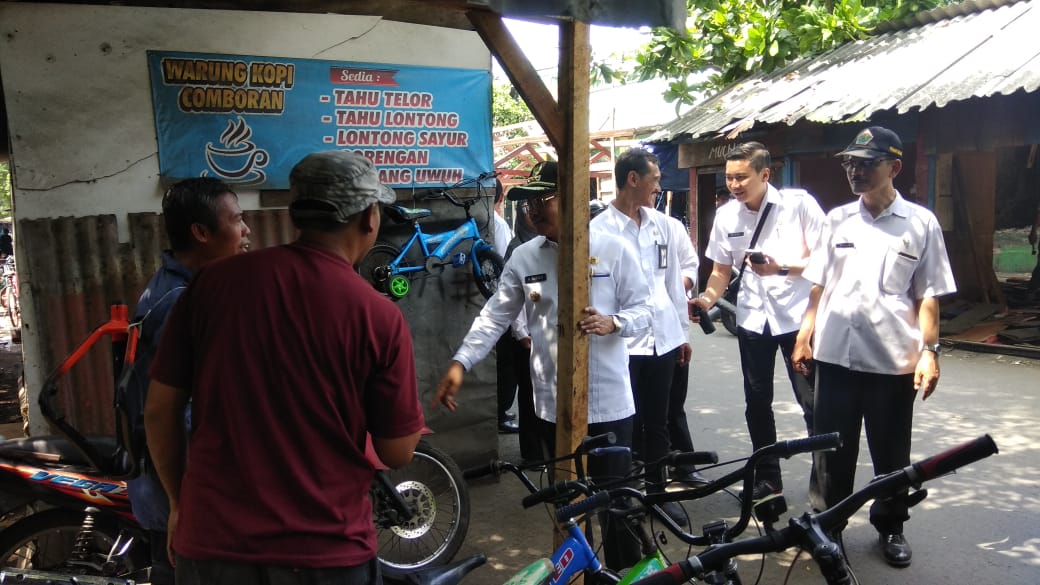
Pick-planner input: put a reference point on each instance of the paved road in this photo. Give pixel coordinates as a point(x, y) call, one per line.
point(980, 526)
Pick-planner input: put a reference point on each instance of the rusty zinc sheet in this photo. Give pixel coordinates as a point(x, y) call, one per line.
point(76, 269)
point(978, 49)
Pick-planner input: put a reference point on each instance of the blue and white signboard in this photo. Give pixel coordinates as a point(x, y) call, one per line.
point(248, 120)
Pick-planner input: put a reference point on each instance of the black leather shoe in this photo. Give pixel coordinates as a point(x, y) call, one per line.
point(508, 426)
point(675, 512)
point(690, 477)
point(764, 489)
point(895, 549)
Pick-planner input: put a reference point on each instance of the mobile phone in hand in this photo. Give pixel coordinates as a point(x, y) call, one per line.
point(757, 257)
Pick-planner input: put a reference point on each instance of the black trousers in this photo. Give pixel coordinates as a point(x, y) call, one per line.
point(507, 372)
point(651, 389)
point(757, 361)
point(678, 427)
point(530, 446)
point(621, 548)
point(885, 406)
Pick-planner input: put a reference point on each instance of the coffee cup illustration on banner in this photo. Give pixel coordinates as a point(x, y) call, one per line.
point(236, 158)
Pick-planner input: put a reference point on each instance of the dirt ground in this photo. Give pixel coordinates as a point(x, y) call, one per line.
point(10, 372)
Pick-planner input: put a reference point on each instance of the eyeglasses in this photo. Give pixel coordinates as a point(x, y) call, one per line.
point(866, 164)
point(535, 203)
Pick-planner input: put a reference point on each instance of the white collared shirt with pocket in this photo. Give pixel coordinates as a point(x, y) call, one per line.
point(873, 271)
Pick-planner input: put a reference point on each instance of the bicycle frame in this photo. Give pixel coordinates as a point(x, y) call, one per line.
point(445, 242)
point(574, 556)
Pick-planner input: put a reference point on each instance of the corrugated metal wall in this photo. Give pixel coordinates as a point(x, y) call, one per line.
point(76, 267)
point(85, 269)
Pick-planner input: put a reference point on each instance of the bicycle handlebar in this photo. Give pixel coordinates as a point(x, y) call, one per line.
point(811, 530)
point(784, 449)
point(447, 194)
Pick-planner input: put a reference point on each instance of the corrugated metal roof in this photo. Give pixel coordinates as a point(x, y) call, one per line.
point(957, 55)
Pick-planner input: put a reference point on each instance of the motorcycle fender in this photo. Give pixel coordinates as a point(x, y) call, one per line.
point(10, 502)
point(370, 450)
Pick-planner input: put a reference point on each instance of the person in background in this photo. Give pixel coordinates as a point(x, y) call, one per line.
point(773, 295)
point(203, 223)
point(669, 264)
point(286, 382)
point(505, 349)
point(1034, 280)
point(872, 327)
point(618, 308)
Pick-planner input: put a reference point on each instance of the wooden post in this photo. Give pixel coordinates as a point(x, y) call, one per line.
point(572, 376)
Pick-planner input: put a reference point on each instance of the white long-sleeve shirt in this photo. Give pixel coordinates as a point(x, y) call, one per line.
point(528, 285)
point(666, 255)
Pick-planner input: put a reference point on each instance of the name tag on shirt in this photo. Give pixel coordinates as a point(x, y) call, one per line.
point(845, 245)
point(735, 235)
point(662, 255)
point(534, 278)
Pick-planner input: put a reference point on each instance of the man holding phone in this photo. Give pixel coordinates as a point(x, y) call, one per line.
point(771, 233)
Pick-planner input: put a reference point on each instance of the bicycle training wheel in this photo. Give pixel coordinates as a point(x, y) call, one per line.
point(375, 268)
point(487, 269)
point(433, 484)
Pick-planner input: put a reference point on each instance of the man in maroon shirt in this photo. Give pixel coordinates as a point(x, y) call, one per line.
point(289, 358)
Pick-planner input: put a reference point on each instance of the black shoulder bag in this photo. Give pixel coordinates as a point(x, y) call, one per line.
point(734, 284)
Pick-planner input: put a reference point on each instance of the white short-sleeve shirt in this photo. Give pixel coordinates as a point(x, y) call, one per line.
point(873, 270)
point(790, 232)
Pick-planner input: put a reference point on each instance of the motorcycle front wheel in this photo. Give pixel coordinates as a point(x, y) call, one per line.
point(432, 483)
point(47, 541)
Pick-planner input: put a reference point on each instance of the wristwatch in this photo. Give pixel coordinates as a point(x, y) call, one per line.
point(784, 270)
point(617, 323)
point(932, 347)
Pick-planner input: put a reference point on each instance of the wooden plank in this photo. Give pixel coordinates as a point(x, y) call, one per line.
point(980, 332)
point(987, 279)
point(573, 349)
point(523, 75)
point(1021, 335)
point(968, 319)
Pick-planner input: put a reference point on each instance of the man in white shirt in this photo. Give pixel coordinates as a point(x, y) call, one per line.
point(669, 264)
point(618, 296)
point(873, 326)
point(773, 295)
point(506, 349)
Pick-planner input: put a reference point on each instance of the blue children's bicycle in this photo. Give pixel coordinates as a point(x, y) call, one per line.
point(388, 269)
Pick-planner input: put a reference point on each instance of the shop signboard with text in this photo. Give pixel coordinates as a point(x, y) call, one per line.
point(248, 120)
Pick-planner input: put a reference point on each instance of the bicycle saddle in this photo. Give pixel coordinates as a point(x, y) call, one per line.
point(404, 214)
point(446, 575)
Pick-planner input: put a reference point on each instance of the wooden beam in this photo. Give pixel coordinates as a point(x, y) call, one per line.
point(520, 71)
point(572, 376)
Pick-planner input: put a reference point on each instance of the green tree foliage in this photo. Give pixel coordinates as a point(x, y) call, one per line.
point(507, 109)
point(727, 40)
point(6, 206)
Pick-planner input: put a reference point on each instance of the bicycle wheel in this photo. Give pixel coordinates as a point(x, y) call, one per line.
point(14, 309)
point(487, 269)
point(46, 542)
point(375, 268)
point(433, 484)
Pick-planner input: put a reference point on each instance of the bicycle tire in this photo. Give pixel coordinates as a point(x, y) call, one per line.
point(487, 269)
point(374, 268)
point(44, 542)
point(433, 483)
point(14, 309)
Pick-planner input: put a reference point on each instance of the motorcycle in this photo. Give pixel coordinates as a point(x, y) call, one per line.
point(65, 510)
